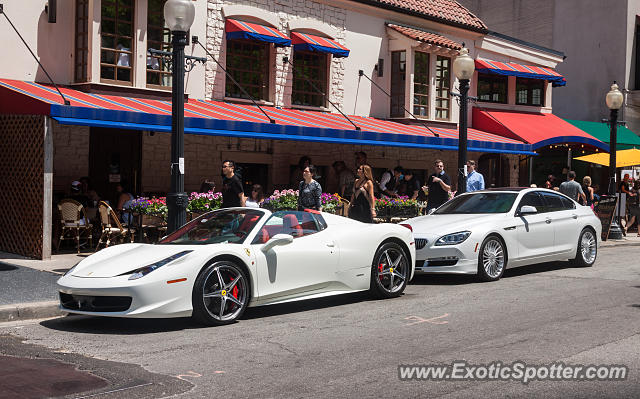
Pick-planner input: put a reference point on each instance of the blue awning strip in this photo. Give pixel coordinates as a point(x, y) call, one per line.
point(336, 52)
point(217, 127)
point(555, 80)
point(278, 41)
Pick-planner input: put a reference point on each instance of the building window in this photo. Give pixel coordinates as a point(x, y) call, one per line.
point(530, 91)
point(492, 88)
point(398, 77)
point(443, 85)
point(158, 38)
point(248, 63)
point(421, 84)
point(637, 64)
point(116, 41)
point(313, 67)
point(82, 41)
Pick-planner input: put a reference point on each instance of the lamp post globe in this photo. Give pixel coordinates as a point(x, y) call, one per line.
point(463, 68)
point(614, 100)
point(464, 65)
point(179, 15)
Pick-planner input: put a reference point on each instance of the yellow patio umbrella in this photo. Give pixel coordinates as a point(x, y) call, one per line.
point(630, 157)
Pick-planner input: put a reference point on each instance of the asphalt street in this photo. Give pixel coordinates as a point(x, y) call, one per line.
point(22, 285)
point(351, 346)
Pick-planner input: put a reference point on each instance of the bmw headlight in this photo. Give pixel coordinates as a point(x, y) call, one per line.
point(453, 238)
point(143, 271)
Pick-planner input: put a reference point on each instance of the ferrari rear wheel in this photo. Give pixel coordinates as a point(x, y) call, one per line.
point(220, 293)
point(492, 259)
point(390, 271)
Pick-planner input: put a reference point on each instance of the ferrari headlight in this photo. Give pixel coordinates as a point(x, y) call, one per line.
point(453, 238)
point(71, 270)
point(143, 271)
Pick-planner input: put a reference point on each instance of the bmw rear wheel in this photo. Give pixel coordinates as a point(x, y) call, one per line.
point(220, 293)
point(492, 259)
point(587, 250)
point(390, 271)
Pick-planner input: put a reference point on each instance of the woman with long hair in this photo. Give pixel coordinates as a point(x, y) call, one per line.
point(309, 190)
point(256, 197)
point(363, 202)
point(588, 191)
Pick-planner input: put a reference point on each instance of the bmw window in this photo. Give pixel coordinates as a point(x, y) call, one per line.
point(482, 202)
point(533, 199)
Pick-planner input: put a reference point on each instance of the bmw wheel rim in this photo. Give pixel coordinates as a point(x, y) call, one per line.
point(588, 247)
point(392, 270)
point(493, 258)
point(224, 292)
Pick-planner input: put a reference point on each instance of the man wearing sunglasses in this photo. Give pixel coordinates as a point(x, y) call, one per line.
point(438, 186)
point(232, 191)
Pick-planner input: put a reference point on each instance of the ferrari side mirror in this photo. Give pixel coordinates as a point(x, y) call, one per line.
point(278, 239)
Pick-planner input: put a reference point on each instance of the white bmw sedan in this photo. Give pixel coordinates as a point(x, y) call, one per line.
point(484, 232)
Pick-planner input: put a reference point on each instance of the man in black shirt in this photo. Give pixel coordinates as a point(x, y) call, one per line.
point(232, 191)
point(439, 184)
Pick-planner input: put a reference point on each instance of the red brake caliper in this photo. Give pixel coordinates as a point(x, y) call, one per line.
point(234, 291)
point(380, 267)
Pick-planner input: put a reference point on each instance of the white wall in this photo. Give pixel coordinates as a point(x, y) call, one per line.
point(51, 43)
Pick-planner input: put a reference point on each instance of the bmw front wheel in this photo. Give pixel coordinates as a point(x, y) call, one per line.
point(492, 259)
point(220, 293)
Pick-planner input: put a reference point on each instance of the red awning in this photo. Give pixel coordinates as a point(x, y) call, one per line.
point(246, 30)
point(523, 71)
point(236, 120)
point(307, 42)
point(537, 129)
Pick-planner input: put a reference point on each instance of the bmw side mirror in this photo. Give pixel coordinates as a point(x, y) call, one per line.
point(278, 239)
point(527, 210)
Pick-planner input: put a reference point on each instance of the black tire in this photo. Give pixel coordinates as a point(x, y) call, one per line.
point(492, 259)
point(587, 249)
point(390, 264)
point(217, 304)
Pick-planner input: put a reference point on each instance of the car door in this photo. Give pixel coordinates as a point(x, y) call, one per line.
point(564, 219)
point(534, 232)
point(299, 268)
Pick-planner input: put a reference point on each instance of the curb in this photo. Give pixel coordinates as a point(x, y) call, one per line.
point(618, 243)
point(32, 310)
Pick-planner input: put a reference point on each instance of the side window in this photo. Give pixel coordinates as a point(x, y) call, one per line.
point(297, 224)
point(532, 199)
point(567, 203)
point(554, 202)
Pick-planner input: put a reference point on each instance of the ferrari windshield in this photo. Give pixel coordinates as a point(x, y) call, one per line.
point(223, 226)
point(481, 202)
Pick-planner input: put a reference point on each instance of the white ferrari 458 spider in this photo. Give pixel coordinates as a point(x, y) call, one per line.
point(215, 266)
point(484, 232)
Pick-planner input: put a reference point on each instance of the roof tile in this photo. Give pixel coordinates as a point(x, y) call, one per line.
point(447, 10)
point(426, 37)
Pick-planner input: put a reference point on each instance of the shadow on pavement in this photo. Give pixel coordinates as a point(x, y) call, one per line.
point(5, 267)
point(303, 306)
point(118, 325)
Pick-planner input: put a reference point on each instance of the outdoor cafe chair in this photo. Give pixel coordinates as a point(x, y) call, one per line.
point(112, 229)
point(74, 222)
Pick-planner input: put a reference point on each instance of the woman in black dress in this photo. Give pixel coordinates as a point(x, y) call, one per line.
point(363, 203)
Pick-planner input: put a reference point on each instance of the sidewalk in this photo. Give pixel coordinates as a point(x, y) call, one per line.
point(28, 285)
point(29, 289)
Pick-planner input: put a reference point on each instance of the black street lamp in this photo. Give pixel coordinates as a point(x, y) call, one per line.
point(614, 101)
point(179, 15)
point(463, 68)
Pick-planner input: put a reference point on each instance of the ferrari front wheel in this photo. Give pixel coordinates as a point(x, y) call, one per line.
point(220, 293)
point(390, 271)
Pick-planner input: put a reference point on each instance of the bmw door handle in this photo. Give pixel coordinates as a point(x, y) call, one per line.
point(547, 221)
point(331, 244)
point(574, 216)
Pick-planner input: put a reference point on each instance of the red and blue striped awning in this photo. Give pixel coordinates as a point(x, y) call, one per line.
point(307, 42)
point(236, 120)
point(246, 30)
point(523, 71)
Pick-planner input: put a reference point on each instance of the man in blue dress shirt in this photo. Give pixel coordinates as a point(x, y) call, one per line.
point(475, 180)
